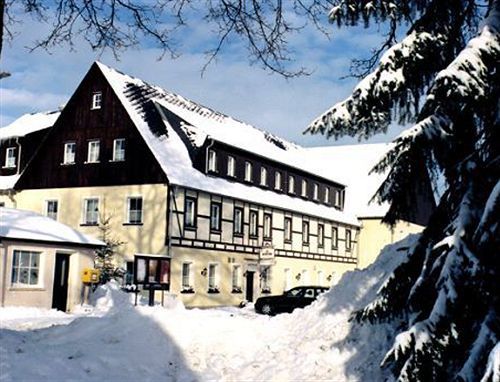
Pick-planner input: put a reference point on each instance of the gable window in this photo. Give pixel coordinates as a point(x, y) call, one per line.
point(25, 268)
point(96, 100)
point(190, 212)
point(238, 221)
point(231, 166)
point(335, 237)
point(336, 198)
point(212, 278)
point(267, 226)
point(134, 210)
point(236, 278)
point(186, 276)
point(51, 207)
point(263, 176)
point(326, 198)
point(321, 235)
point(315, 191)
point(248, 171)
point(69, 153)
point(304, 188)
point(93, 152)
point(288, 230)
point(277, 180)
point(291, 184)
point(119, 150)
point(91, 211)
point(10, 157)
point(305, 232)
point(212, 161)
point(253, 223)
point(215, 216)
point(348, 242)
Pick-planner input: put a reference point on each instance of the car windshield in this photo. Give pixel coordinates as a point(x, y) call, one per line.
point(295, 292)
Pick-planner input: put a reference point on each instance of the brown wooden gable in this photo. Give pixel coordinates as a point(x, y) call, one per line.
point(80, 124)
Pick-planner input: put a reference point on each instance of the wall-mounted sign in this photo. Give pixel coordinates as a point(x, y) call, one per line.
point(266, 254)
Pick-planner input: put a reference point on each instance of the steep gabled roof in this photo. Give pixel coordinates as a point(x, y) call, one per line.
point(29, 123)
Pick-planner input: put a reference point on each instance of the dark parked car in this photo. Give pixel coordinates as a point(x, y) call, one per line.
point(297, 297)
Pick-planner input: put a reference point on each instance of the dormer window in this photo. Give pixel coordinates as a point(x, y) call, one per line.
point(10, 157)
point(304, 188)
point(69, 153)
point(248, 171)
point(327, 195)
point(315, 191)
point(93, 152)
point(119, 150)
point(263, 176)
point(277, 180)
point(212, 161)
point(96, 100)
point(336, 198)
point(291, 184)
point(231, 166)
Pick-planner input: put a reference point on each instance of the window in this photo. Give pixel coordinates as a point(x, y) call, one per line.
point(288, 229)
point(321, 280)
point(336, 198)
point(327, 195)
point(93, 152)
point(335, 237)
point(304, 188)
point(230, 166)
point(287, 279)
point(305, 232)
point(96, 100)
point(215, 216)
point(277, 180)
point(10, 157)
point(91, 211)
point(236, 277)
point(212, 161)
point(263, 176)
point(291, 184)
point(190, 212)
point(69, 153)
point(315, 191)
point(305, 277)
point(134, 211)
point(321, 235)
point(348, 242)
point(265, 279)
point(238, 221)
point(51, 207)
point(25, 268)
point(253, 223)
point(151, 270)
point(212, 277)
point(248, 171)
point(267, 226)
point(186, 276)
point(119, 150)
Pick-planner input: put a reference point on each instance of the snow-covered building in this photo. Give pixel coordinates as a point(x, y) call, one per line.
point(208, 207)
point(41, 260)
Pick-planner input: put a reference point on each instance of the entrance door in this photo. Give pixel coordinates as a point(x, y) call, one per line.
point(60, 291)
point(249, 287)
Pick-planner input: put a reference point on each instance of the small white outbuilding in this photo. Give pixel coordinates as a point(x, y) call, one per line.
point(41, 260)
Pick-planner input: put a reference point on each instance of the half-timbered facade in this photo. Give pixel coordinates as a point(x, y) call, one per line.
point(207, 207)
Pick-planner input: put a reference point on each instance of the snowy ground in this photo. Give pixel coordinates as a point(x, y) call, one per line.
point(116, 341)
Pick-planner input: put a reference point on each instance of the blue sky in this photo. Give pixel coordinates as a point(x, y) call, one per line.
point(43, 81)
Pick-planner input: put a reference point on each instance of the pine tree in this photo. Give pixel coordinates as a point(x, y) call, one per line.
point(105, 256)
point(447, 291)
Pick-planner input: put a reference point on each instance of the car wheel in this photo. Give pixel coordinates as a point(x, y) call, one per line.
point(267, 309)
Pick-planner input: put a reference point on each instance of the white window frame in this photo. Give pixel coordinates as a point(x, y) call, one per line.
point(85, 211)
point(304, 277)
point(29, 267)
point(231, 166)
point(240, 221)
point(305, 232)
point(336, 198)
point(315, 191)
point(96, 100)
point(253, 232)
point(129, 210)
point(212, 160)
point(121, 157)
point(191, 219)
point(67, 159)
point(263, 176)
point(321, 235)
point(348, 240)
point(213, 280)
point(236, 277)
point(10, 157)
point(288, 238)
point(248, 171)
point(265, 278)
point(189, 275)
point(47, 212)
point(215, 218)
point(321, 278)
point(303, 189)
point(335, 238)
point(268, 226)
point(92, 157)
point(291, 184)
point(287, 279)
point(277, 180)
point(326, 197)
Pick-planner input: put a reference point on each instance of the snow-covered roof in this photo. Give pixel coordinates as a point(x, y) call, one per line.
point(29, 123)
point(173, 154)
point(351, 164)
point(28, 225)
point(7, 182)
